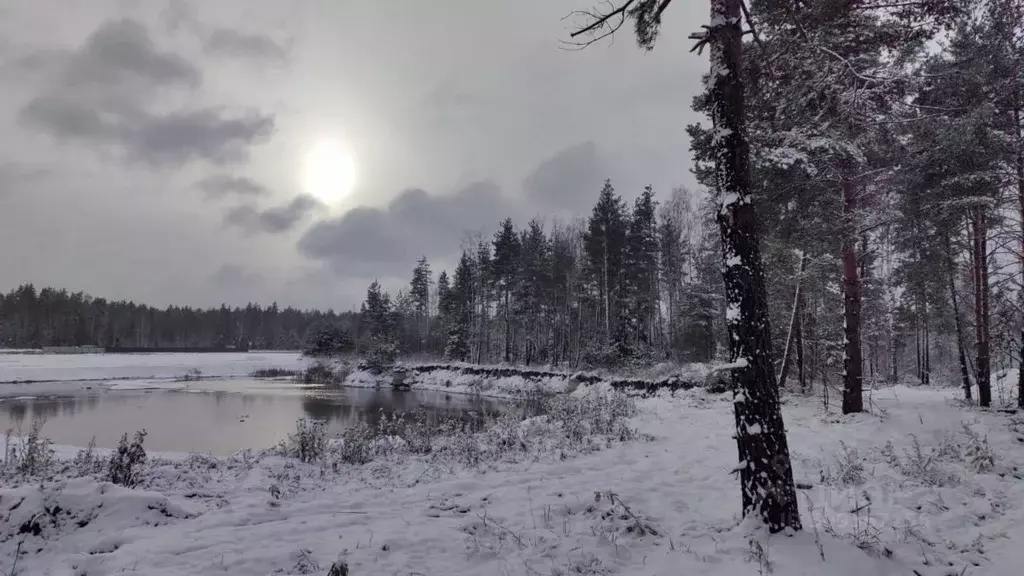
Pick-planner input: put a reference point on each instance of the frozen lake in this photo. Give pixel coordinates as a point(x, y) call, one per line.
point(57, 367)
point(105, 395)
point(215, 416)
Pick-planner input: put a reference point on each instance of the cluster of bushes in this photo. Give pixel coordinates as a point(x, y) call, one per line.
point(582, 421)
point(32, 457)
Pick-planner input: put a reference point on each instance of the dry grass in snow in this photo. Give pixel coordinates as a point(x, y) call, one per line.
point(923, 487)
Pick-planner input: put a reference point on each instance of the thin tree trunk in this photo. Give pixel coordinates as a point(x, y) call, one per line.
point(917, 346)
point(853, 381)
point(927, 374)
point(766, 473)
point(965, 374)
point(508, 328)
point(1020, 197)
point(793, 322)
point(982, 377)
point(800, 375)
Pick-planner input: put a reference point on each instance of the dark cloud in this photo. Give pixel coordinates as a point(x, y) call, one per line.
point(569, 181)
point(236, 44)
point(121, 53)
point(222, 185)
point(274, 220)
point(105, 93)
point(206, 134)
point(385, 241)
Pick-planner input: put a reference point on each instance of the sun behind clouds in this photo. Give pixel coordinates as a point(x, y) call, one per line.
point(328, 171)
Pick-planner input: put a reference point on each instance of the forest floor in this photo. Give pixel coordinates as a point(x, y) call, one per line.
point(922, 486)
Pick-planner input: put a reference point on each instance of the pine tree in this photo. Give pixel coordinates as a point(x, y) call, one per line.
point(533, 288)
point(419, 295)
point(604, 243)
point(504, 268)
point(458, 309)
point(379, 326)
point(641, 273)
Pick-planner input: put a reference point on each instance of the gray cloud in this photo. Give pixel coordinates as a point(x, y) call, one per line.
point(385, 241)
point(374, 241)
point(568, 182)
point(106, 92)
point(233, 43)
point(274, 220)
point(221, 185)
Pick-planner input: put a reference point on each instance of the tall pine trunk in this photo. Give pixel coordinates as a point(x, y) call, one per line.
point(980, 249)
point(853, 364)
point(766, 473)
point(965, 373)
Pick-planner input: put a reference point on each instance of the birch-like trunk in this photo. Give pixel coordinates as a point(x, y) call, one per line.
point(793, 323)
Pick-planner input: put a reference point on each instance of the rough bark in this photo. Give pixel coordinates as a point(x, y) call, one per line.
point(853, 364)
point(980, 277)
point(766, 474)
point(965, 373)
point(793, 322)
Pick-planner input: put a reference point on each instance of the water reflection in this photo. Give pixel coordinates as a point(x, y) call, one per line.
point(221, 417)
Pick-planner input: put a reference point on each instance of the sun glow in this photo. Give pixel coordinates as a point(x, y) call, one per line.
point(328, 171)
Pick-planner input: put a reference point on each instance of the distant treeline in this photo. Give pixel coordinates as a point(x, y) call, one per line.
point(31, 318)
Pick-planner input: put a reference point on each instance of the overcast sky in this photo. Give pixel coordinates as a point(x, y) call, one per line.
point(154, 150)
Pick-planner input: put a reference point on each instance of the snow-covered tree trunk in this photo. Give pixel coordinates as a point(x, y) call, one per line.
point(962, 353)
point(766, 474)
point(853, 364)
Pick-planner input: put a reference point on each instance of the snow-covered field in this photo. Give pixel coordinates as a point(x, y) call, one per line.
point(665, 505)
point(52, 367)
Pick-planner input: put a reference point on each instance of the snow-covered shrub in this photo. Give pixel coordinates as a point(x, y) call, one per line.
point(594, 412)
point(357, 444)
point(309, 442)
point(319, 372)
point(977, 452)
point(86, 463)
point(923, 465)
point(459, 442)
point(125, 465)
point(848, 469)
point(418, 433)
point(29, 456)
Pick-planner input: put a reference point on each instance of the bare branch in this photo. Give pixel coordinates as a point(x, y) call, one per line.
point(601, 24)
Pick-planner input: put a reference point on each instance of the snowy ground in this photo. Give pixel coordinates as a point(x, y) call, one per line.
point(167, 366)
point(873, 509)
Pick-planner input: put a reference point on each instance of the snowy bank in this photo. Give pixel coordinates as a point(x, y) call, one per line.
point(923, 486)
point(516, 381)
